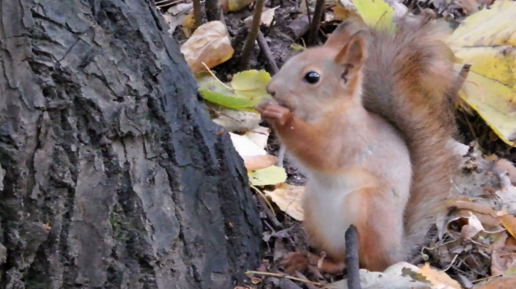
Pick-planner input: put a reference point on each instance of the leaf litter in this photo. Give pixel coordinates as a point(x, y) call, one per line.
point(475, 244)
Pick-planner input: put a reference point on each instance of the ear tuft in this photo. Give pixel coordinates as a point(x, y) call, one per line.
point(353, 55)
point(343, 33)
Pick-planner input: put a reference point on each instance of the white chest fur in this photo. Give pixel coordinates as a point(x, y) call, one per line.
point(331, 211)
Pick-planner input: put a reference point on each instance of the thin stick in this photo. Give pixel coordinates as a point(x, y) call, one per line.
point(253, 34)
point(264, 197)
point(206, 66)
point(308, 12)
point(267, 53)
point(278, 275)
point(352, 257)
point(316, 22)
point(197, 13)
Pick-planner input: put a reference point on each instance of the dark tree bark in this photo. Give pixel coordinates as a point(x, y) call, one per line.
point(112, 174)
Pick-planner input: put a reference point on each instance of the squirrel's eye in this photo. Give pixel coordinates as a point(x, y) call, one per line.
point(312, 77)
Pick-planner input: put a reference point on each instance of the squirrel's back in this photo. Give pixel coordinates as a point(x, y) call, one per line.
point(409, 81)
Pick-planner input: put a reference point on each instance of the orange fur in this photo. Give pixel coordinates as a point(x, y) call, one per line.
point(370, 134)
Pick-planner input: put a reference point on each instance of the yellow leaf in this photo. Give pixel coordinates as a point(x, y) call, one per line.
point(438, 277)
point(509, 223)
point(375, 12)
point(341, 13)
point(269, 176)
point(188, 24)
point(251, 84)
point(288, 198)
point(487, 41)
point(235, 5)
point(209, 44)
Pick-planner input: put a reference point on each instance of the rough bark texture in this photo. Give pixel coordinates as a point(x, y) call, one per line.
point(112, 174)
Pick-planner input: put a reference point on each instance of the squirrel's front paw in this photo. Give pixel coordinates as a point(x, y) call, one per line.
point(294, 262)
point(274, 113)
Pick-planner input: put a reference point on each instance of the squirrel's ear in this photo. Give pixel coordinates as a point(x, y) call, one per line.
point(342, 34)
point(353, 55)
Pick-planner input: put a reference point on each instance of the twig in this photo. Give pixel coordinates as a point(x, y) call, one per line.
point(316, 22)
point(352, 257)
point(486, 278)
point(213, 10)
point(308, 12)
point(253, 34)
point(308, 285)
point(197, 13)
point(264, 197)
point(209, 70)
point(278, 275)
point(267, 53)
point(267, 208)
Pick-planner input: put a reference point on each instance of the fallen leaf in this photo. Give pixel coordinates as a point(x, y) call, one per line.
point(265, 19)
point(236, 5)
point(341, 13)
point(509, 223)
point(237, 120)
point(501, 260)
point(269, 176)
point(297, 47)
point(259, 135)
point(251, 84)
point(288, 198)
point(375, 13)
point(209, 44)
point(248, 88)
point(253, 163)
point(394, 277)
point(473, 227)
point(176, 14)
point(438, 278)
point(499, 283)
point(188, 24)
point(487, 40)
point(246, 147)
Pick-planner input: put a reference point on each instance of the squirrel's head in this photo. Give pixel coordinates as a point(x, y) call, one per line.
point(323, 78)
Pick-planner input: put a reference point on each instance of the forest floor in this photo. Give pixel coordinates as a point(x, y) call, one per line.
point(481, 191)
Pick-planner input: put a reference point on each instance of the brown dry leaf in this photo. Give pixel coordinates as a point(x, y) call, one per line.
point(209, 44)
point(502, 260)
point(288, 198)
point(265, 19)
point(438, 278)
point(188, 24)
point(509, 223)
point(253, 163)
point(499, 283)
point(341, 13)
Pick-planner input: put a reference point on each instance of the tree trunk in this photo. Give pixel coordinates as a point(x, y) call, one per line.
point(112, 174)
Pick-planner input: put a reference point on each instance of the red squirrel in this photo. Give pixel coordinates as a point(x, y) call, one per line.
point(367, 117)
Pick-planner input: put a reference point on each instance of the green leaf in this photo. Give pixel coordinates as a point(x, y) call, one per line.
point(375, 12)
point(272, 175)
point(247, 89)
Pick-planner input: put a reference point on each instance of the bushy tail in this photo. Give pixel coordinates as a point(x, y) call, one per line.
point(409, 81)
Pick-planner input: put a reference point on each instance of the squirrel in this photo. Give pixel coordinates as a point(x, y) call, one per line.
point(367, 116)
